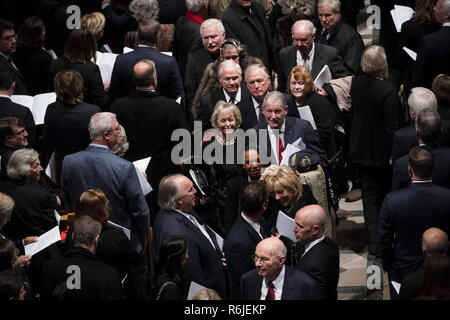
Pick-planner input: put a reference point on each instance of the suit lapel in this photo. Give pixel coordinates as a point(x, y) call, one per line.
point(317, 61)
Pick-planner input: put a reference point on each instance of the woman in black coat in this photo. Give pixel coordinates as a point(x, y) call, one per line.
point(31, 58)
point(67, 119)
point(375, 117)
point(80, 48)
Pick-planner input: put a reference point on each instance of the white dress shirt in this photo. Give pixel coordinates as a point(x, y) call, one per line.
point(237, 98)
point(309, 62)
point(278, 286)
point(254, 225)
point(274, 139)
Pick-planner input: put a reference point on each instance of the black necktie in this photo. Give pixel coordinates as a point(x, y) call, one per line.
point(211, 233)
point(260, 114)
point(323, 37)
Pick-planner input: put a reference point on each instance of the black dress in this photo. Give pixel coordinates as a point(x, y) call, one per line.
point(166, 288)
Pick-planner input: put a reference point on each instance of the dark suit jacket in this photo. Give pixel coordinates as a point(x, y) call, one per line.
point(432, 58)
point(249, 117)
point(349, 44)
point(323, 55)
point(187, 37)
point(405, 138)
point(239, 25)
point(168, 74)
point(375, 117)
point(411, 284)
point(204, 265)
point(21, 86)
point(98, 281)
point(441, 171)
point(405, 215)
point(34, 64)
point(116, 26)
point(294, 129)
point(11, 109)
point(321, 262)
point(297, 286)
point(97, 167)
point(149, 120)
point(239, 245)
point(93, 89)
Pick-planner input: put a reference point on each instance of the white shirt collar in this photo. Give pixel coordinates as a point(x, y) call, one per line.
point(278, 286)
point(446, 24)
point(300, 61)
point(421, 181)
point(237, 99)
point(274, 139)
point(254, 225)
point(5, 96)
point(195, 222)
point(311, 244)
point(99, 145)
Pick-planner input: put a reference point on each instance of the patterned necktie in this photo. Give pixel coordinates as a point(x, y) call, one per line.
point(280, 149)
point(323, 37)
point(261, 231)
point(271, 292)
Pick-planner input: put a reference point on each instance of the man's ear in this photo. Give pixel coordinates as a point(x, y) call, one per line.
point(13, 87)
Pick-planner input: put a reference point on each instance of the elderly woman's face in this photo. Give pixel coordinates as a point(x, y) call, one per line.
point(226, 122)
point(296, 87)
point(285, 197)
point(35, 170)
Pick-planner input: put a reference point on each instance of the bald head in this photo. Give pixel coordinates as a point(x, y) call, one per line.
point(304, 26)
point(273, 246)
point(309, 223)
point(270, 256)
point(434, 242)
point(144, 75)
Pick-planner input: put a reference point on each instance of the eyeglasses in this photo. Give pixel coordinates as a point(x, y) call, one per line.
point(10, 38)
point(263, 260)
point(22, 132)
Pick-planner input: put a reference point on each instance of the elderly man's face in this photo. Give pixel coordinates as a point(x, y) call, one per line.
point(257, 83)
point(327, 17)
point(8, 42)
point(187, 200)
point(439, 12)
point(303, 39)
point(230, 79)
point(212, 38)
point(274, 113)
point(18, 139)
point(267, 263)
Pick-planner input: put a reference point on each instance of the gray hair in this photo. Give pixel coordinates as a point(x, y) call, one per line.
point(169, 192)
point(195, 5)
point(85, 231)
point(253, 66)
point(99, 123)
point(145, 9)
point(6, 207)
point(334, 4)
point(222, 106)
point(209, 23)
point(274, 95)
point(123, 145)
point(374, 61)
point(421, 99)
point(229, 64)
point(307, 23)
point(19, 164)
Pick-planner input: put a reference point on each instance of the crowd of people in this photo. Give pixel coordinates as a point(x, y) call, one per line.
point(262, 139)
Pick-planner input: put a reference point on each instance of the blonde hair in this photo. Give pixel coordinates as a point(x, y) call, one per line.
point(222, 106)
point(207, 294)
point(374, 61)
point(94, 22)
point(284, 178)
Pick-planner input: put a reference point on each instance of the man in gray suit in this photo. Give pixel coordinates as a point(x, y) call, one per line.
point(304, 52)
point(98, 167)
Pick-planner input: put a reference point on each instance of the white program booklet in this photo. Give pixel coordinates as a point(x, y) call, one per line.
point(105, 62)
point(141, 166)
point(401, 14)
point(125, 230)
point(306, 114)
point(285, 226)
point(323, 77)
point(194, 289)
point(410, 53)
point(44, 241)
point(37, 104)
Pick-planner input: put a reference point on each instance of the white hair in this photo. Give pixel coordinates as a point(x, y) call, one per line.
point(99, 123)
point(420, 99)
point(209, 23)
point(229, 64)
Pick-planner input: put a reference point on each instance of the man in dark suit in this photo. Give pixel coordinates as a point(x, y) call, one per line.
point(11, 109)
point(13, 136)
point(434, 248)
point(149, 120)
point(7, 48)
point(318, 255)
point(177, 199)
point(405, 138)
point(338, 34)
point(79, 275)
point(432, 57)
point(245, 21)
point(407, 213)
point(98, 167)
point(212, 33)
point(272, 280)
point(304, 52)
point(187, 32)
point(282, 130)
point(231, 90)
point(428, 130)
point(169, 79)
point(258, 83)
point(247, 231)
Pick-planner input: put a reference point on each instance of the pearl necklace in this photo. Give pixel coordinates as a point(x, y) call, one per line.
point(225, 143)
